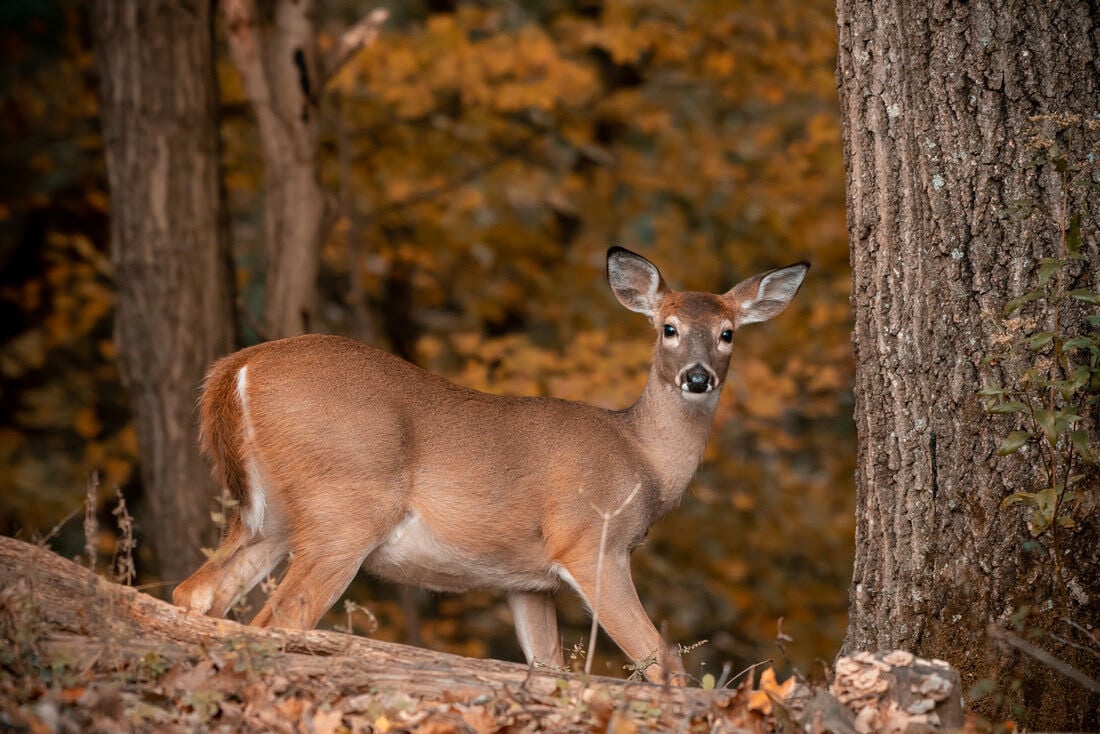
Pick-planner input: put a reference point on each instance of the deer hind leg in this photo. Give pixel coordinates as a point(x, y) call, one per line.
point(241, 561)
point(623, 617)
point(316, 578)
point(536, 623)
point(328, 547)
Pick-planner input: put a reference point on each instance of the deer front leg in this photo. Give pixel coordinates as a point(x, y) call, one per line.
point(622, 616)
point(536, 623)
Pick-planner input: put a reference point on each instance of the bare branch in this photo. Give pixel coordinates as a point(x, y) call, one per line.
point(1042, 656)
point(359, 36)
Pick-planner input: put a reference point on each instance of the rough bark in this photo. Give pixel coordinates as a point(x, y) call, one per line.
point(937, 101)
point(174, 314)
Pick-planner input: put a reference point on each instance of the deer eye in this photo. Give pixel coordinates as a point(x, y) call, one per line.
point(726, 336)
point(670, 331)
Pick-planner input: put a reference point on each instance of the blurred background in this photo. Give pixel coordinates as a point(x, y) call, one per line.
point(484, 156)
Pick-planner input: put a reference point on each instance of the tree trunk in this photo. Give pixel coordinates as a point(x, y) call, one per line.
point(272, 47)
point(937, 101)
point(168, 249)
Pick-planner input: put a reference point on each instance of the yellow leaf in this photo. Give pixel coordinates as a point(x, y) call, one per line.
point(760, 703)
point(382, 725)
point(87, 425)
point(770, 690)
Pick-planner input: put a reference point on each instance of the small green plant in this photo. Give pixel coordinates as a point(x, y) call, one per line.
point(1050, 359)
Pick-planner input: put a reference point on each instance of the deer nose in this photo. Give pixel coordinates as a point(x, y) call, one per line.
point(697, 379)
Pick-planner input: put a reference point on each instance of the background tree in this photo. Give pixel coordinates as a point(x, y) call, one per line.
point(274, 48)
point(970, 142)
point(168, 248)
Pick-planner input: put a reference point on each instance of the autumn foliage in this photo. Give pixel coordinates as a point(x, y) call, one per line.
point(481, 159)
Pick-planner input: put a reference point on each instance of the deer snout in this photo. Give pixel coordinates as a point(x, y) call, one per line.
point(698, 378)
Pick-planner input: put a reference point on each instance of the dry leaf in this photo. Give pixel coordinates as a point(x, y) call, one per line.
point(481, 720)
point(326, 722)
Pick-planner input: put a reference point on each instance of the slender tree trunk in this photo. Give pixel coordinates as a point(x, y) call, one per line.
point(272, 43)
point(174, 314)
point(272, 46)
point(950, 210)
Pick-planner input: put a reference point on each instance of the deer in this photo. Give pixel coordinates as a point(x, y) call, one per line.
point(346, 457)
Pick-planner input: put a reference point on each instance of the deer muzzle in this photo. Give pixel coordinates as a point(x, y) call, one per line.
point(698, 378)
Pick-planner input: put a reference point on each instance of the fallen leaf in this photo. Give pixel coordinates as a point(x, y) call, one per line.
point(327, 722)
point(481, 720)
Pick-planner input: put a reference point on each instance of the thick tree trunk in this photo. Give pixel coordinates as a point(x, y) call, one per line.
point(174, 314)
point(937, 100)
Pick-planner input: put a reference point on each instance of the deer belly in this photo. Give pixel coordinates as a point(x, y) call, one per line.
point(414, 554)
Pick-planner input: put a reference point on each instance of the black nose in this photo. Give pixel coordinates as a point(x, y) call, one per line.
point(697, 379)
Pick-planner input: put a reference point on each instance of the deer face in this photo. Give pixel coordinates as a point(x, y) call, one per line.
point(695, 329)
point(694, 341)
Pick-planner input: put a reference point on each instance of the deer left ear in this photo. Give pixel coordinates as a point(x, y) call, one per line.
point(635, 281)
point(764, 296)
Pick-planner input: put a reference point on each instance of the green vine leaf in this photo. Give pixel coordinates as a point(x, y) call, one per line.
point(1080, 440)
point(1083, 294)
point(1073, 236)
point(1042, 504)
point(1040, 339)
point(1043, 514)
point(1079, 342)
point(1018, 498)
point(1009, 406)
point(1019, 301)
point(1049, 425)
point(1054, 422)
point(1047, 268)
point(1012, 443)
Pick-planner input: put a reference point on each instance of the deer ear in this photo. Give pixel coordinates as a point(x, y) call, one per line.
point(764, 296)
point(635, 281)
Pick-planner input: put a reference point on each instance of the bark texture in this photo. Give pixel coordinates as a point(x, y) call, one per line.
point(174, 314)
point(937, 101)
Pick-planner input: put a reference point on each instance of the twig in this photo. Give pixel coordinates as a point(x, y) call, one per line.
point(1082, 630)
point(1043, 657)
point(350, 41)
point(749, 669)
point(91, 526)
point(607, 517)
point(1093, 649)
point(44, 540)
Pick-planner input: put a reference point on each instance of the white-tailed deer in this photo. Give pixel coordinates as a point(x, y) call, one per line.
point(346, 456)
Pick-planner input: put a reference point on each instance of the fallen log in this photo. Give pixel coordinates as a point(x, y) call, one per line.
point(83, 652)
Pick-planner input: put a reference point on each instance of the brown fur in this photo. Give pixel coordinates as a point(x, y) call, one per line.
point(220, 430)
point(347, 456)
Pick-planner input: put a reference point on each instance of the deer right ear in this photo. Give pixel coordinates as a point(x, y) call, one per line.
point(635, 281)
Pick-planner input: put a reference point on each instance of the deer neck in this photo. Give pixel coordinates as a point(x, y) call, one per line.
point(672, 431)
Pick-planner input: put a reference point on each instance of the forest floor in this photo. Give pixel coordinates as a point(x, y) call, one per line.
point(79, 653)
